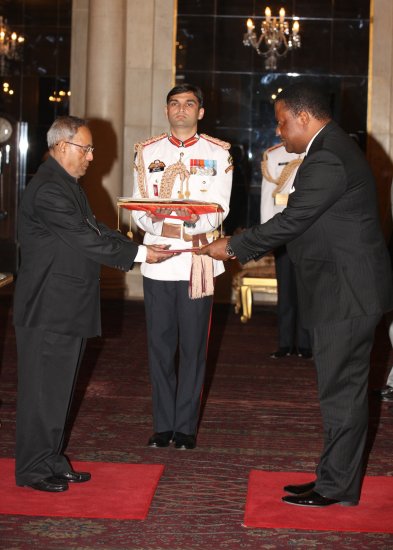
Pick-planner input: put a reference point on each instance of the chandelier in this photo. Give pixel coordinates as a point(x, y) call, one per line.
point(275, 40)
point(58, 97)
point(9, 44)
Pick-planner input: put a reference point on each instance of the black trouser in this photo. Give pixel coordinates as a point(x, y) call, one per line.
point(174, 321)
point(47, 367)
point(342, 359)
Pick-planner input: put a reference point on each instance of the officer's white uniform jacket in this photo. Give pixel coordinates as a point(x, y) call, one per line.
point(277, 158)
point(210, 181)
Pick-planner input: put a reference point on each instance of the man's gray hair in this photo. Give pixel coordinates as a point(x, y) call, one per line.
point(64, 128)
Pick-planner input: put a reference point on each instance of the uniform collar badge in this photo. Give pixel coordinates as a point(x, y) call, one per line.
point(187, 143)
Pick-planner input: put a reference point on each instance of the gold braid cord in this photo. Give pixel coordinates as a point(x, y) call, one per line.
point(201, 277)
point(285, 174)
point(168, 176)
point(140, 165)
point(168, 180)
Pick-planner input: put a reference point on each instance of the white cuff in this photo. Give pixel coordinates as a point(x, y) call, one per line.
point(141, 254)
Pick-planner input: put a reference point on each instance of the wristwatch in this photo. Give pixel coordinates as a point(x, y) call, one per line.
point(228, 249)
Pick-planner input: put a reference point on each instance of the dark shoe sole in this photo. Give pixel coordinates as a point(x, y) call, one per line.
point(160, 440)
point(47, 488)
point(340, 502)
point(185, 447)
point(184, 441)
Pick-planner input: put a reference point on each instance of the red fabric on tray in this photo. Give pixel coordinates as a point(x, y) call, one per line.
point(115, 491)
point(194, 207)
point(265, 509)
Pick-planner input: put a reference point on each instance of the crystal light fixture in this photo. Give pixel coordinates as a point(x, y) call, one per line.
point(7, 89)
point(275, 40)
point(9, 44)
point(58, 97)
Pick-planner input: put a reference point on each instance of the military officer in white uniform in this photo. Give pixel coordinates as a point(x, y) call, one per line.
point(278, 173)
point(178, 293)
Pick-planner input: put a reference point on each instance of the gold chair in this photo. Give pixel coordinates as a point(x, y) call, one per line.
point(254, 276)
point(5, 279)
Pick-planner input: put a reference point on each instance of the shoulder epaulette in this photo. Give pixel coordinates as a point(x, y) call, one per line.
point(272, 148)
point(223, 144)
point(286, 172)
point(149, 141)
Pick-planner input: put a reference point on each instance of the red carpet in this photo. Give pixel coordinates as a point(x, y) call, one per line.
point(264, 507)
point(116, 491)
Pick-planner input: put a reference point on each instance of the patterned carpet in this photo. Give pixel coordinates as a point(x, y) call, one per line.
point(258, 413)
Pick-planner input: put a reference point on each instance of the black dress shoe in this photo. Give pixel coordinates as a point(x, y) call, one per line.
point(49, 484)
point(160, 439)
point(312, 499)
point(386, 390)
point(184, 441)
point(386, 394)
point(281, 352)
point(304, 353)
point(388, 397)
point(74, 477)
point(299, 489)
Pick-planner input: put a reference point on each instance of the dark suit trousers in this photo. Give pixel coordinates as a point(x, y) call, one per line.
point(290, 332)
point(342, 358)
point(47, 367)
point(175, 322)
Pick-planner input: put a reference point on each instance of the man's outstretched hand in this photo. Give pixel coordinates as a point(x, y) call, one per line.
point(216, 249)
point(157, 253)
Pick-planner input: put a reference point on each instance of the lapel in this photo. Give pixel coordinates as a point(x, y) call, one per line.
point(318, 141)
point(316, 145)
point(77, 191)
point(87, 214)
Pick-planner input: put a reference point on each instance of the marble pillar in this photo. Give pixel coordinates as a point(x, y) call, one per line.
point(122, 66)
point(150, 73)
point(380, 105)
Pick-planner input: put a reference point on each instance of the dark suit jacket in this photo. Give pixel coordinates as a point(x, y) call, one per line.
point(62, 247)
point(333, 235)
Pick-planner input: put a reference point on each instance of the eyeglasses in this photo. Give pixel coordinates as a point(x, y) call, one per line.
point(86, 148)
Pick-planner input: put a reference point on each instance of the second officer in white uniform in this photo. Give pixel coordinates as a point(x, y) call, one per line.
point(278, 173)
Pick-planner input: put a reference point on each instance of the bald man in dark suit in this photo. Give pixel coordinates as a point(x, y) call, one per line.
point(57, 300)
point(343, 276)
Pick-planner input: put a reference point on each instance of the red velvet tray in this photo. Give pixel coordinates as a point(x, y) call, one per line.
point(152, 205)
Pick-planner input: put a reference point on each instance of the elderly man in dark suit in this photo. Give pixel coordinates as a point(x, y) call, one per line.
point(343, 276)
point(56, 305)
